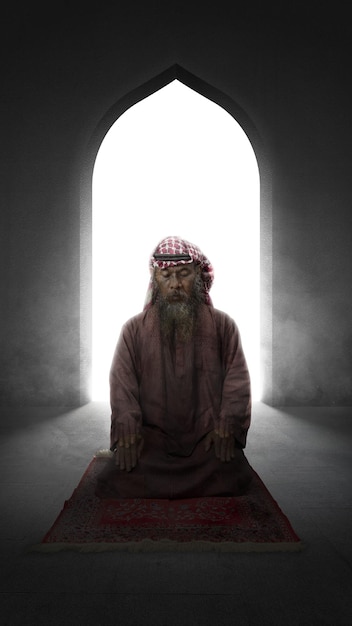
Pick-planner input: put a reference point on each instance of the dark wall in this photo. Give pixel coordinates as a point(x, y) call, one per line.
point(63, 69)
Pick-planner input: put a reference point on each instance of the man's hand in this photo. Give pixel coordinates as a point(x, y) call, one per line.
point(224, 445)
point(128, 451)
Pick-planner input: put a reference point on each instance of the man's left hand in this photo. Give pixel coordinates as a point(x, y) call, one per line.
point(224, 445)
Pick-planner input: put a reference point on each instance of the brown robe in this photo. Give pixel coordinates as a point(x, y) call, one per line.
point(174, 398)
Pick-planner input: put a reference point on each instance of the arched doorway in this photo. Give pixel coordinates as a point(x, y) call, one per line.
point(175, 163)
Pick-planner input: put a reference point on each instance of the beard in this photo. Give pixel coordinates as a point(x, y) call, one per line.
point(178, 320)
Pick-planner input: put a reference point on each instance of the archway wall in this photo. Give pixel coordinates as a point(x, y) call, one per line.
point(290, 77)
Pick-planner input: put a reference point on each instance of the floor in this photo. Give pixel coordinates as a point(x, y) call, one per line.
point(304, 456)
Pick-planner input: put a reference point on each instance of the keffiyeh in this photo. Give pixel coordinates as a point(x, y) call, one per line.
point(174, 251)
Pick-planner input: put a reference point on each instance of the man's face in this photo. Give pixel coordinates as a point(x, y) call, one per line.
point(176, 283)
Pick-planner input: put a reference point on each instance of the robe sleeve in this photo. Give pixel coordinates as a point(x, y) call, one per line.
point(126, 414)
point(235, 412)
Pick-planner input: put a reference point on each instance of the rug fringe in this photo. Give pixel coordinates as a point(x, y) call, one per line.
point(165, 545)
point(103, 453)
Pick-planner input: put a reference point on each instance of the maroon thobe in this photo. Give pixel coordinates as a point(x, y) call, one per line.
point(173, 397)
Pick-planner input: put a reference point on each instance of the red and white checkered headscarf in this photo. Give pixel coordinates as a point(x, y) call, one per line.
point(178, 246)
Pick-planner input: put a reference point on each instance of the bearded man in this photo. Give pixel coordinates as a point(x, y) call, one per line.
point(179, 389)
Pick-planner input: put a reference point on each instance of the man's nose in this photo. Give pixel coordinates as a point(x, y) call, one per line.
point(174, 281)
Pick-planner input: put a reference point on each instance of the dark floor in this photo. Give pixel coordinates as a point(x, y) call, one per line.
point(304, 457)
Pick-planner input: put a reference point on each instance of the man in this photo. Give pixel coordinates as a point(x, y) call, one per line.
point(179, 389)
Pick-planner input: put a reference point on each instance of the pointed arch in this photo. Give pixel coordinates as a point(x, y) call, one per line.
point(237, 113)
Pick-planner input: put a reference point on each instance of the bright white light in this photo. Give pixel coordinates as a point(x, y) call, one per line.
point(174, 164)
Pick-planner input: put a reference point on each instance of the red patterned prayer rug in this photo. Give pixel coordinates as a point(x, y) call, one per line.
point(253, 522)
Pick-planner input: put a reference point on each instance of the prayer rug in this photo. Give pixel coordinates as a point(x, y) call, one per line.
point(253, 522)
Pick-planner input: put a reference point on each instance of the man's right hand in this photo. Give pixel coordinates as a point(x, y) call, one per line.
point(128, 451)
